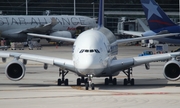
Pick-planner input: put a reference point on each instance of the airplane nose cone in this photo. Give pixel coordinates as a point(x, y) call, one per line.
point(86, 63)
point(89, 65)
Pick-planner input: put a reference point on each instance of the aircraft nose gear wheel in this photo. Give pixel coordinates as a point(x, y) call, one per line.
point(89, 83)
point(128, 73)
point(63, 73)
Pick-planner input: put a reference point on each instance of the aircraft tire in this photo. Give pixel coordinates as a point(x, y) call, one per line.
point(114, 81)
point(78, 81)
point(132, 81)
point(66, 82)
point(92, 86)
point(59, 82)
point(125, 82)
point(106, 81)
point(87, 86)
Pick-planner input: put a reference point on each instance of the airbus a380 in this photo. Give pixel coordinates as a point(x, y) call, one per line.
point(94, 55)
point(15, 28)
point(159, 23)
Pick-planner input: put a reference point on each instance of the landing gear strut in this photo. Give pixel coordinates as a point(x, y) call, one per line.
point(110, 80)
point(63, 80)
point(89, 82)
point(128, 73)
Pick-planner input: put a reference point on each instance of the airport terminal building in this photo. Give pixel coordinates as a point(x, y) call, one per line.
point(114, 9)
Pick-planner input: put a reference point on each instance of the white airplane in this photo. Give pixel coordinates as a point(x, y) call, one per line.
point(15, 28)
point(159, 23)
point(93, 55)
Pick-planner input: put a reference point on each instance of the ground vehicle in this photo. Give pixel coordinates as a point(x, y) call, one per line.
point(146, 53)
point(161, 48)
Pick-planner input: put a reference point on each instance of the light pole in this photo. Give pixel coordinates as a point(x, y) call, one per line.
point(93, 9)
point(26, 7)
point(74, 7)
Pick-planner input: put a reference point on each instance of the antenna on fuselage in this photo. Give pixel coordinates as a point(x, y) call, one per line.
point(101, 14)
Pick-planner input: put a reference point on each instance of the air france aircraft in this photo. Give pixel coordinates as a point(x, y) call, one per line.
point(159, 23)
point(15, 28)
point(94, 55)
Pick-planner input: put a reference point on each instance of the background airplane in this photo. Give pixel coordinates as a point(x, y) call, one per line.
point(15, 28)
point(159, 23)
point(94, 55)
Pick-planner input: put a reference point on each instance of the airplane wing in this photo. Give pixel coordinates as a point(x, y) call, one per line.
point(122, 64)
point(120, 41)
point(52, 37)
point(42, 28)
point(63, 63)
point(134, 33)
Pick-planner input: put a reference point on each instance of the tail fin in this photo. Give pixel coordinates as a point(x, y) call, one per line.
point(155, 15)
point(101, 14)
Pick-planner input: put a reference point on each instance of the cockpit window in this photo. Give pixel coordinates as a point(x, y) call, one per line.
point(89, 51)
point(86, 50)
point(97, 51)
point(81, 51)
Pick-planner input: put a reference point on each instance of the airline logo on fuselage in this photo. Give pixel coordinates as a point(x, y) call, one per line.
point(41, 20)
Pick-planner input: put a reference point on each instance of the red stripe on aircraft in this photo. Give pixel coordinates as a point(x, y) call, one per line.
point(161, 22)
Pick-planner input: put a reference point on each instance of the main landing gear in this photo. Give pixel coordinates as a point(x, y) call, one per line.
point(110, 80)
point(81, 80)
point(128, 73)
point(63, 80)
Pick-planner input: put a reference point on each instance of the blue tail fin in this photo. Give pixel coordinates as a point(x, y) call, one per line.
point(101, 14)
point(155, 15)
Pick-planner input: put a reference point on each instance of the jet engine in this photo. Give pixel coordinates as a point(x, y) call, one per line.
point(65, 34)
point(172, 70)
point(15, 70)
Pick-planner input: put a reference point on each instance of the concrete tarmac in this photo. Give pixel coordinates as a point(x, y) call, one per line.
point(38, 89)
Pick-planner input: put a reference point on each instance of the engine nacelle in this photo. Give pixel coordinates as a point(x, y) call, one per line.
point(65, 34)
point(15, 70)
point(172, 70)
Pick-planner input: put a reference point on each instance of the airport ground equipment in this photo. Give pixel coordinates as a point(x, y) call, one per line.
point(161, 48)
point(146, 53)
point(17, 45)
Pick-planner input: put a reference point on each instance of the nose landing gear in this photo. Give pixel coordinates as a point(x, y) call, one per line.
point(89, 82)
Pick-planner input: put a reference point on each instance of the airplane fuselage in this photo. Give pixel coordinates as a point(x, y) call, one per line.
point(13, 27)
point(92, 52)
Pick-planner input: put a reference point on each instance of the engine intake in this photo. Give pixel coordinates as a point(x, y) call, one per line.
point(172, 70)
point(15, 70)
